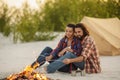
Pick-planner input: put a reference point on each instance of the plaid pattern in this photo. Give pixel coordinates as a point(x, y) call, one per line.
point(91, 55)
point(75, 46)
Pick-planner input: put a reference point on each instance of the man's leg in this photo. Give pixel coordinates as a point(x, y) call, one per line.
point(80, 65)
point(65, 68)
point(57, 64)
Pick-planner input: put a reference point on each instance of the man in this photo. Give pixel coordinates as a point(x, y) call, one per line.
point(89, 52)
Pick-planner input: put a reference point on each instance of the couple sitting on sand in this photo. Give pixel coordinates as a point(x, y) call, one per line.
point(76, 49)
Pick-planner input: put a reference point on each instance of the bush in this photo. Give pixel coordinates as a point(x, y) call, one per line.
point(33, 25)
point(28, 25)
point(4, 19)
point(61, 12)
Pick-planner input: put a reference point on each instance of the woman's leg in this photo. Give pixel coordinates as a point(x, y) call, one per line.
point(41, 58)
point(46, 50)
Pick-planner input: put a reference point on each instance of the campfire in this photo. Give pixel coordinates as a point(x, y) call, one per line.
point(28, 74)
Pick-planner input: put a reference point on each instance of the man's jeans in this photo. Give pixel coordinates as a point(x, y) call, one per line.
point(58, 64)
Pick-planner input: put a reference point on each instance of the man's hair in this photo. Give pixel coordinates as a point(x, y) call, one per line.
point(71, 26)
point(85, 31)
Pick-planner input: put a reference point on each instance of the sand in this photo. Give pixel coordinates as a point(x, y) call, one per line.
point(15, 57)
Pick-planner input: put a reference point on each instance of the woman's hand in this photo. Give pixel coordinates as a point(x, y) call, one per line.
point(62, 52)
point(67, 49)
point(48, 58)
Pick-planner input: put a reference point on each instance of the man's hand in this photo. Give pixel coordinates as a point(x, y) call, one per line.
point(48, 58)
point(66, 61)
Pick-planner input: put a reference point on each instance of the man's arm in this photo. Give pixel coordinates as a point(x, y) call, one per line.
point(77, 59)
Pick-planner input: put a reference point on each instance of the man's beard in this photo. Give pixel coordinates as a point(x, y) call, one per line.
point(80, 37)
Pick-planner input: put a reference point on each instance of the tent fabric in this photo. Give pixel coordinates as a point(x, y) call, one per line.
point(106, 33)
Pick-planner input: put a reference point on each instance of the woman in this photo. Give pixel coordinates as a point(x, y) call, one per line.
point(67, 45)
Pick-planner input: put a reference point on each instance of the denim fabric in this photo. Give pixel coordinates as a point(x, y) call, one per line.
point(41, 58)
point(58, 64)
point(65, 68)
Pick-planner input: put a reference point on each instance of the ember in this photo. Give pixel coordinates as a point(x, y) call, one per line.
point(28, 74)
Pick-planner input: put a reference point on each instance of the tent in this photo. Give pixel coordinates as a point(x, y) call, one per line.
point(106, 33)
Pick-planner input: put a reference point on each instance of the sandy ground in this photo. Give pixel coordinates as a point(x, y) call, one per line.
point(14, 58)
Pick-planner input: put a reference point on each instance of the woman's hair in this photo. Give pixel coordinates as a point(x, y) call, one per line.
point(85, 31)
point(71, 26)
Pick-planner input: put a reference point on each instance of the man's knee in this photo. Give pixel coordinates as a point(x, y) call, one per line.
point(70, 54)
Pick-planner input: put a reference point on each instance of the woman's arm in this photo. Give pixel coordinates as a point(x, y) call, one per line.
point(61, 53)
point(58, 48)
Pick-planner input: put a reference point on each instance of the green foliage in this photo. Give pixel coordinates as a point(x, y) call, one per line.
point(43, 36)
point(25, 28)
point(34, 25)
point(113, 8)
point(28, 25)
point(57, 14)
point(4, 19)
point(61, 12)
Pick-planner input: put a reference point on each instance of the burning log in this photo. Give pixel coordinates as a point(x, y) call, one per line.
point(28, 74)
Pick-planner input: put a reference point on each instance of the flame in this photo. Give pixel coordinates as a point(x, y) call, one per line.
point(29, 69)
point(36, 65)
point(28, 74)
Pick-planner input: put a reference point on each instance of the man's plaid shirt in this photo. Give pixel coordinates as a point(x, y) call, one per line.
point(91, 55)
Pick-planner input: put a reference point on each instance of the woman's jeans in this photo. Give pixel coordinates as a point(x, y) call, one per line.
point(41, 58)
point(56, 63)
